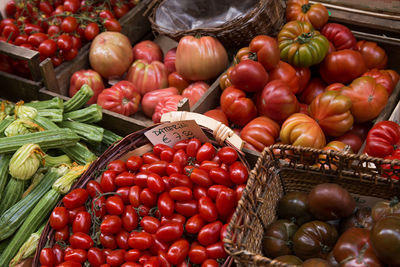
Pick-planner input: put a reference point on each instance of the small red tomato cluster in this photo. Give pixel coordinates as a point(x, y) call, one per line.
point(57, 29)
point(168, 207)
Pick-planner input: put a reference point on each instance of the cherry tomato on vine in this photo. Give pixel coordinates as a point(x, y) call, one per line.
point(112, 25)
point(91, 31)
point(47, 48)
point(69, 24)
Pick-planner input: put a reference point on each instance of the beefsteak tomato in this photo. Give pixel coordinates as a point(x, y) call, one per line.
point(151, 99)
point(165, 105)
point(169, 60)
point(200, 58)
point(266, 49)
point(147, 77)
point(123, 98)
point(238, 108)
point(259, 133)
point(342, 66)
point(302, 130)
point(383, 139)
point(89, 77)
point(383, 78)
point(339, 35)
point(374, 55)
point(304, 75)
point(302, 10)
point(368, 98)
point(195, 91)
point(332, 112)
point(301, 45)
point(315, 87)
point(217, 114)
point(277, 101)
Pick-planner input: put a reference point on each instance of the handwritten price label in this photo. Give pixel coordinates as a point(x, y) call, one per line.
point(171, 133)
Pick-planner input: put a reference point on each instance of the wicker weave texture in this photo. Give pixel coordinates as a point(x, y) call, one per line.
point(266, 18)
point(287, 170)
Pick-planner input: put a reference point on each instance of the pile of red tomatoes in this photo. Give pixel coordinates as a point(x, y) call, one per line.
point(168, 207)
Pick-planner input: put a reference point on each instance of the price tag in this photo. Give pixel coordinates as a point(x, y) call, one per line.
point(171, 133)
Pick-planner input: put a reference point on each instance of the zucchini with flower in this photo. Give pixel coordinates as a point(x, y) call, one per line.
point(25, 112)
point(40, 212)
point(301, 45)
point(21, 127)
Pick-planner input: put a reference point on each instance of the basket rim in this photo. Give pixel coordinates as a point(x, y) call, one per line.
point(113, 151)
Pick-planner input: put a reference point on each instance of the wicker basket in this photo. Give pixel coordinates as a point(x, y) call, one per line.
point(266, 17)
point(289, 170)
point(137, 144)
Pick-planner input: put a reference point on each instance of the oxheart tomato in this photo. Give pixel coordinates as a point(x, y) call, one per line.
point(339, 35)
point(200, 58)
point(342, 66)
point(304, 75)
point(165, 105)
point(148, 51)
point(232, 100)
point(302, 130)
point(169, 60)
point(249, 76)
point(301, 45)
point(383, 78)
point(122, 98)
point(277, 101)
point(218, 115)
point(332, 112)
point(287, 73)
point(267, 51)
point(151, 99)
point(315, 87)
point(195, 91)
point(302, 10)
point(383, 139)
point(353, 140)
point(368, 98)
point(147, 76)
point(259, 133)
point(374, 55)
point(110, 54)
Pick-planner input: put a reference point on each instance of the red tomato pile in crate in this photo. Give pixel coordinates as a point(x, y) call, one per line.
point(168, 207)
point(57, 29)
point(313, 84)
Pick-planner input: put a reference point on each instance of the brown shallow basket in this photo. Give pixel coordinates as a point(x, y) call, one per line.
point(282, 169)
point(266, 17)
point(133, 144)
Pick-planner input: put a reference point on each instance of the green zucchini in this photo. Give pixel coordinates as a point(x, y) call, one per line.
point(4, 161)
point(46, 139)
point(86, 131)
point(5, 123)
point(79, 99)
point(13, 192)
point(46, 123)
point(92, 113)
point(14, 216)
point(55, 115)
point(110, 138)
point(54, 103)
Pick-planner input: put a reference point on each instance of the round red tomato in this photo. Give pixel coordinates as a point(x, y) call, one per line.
point(122, 98)
point(249, 76)
point(148, 51)
point(89, 77)
point(47, 48)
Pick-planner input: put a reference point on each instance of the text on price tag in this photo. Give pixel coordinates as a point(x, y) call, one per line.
point(171, 133)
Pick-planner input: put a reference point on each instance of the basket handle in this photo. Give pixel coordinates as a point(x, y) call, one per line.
point(221, 132)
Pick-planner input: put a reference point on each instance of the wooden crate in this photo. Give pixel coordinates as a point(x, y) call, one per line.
point(134, 24)
point(392, 46)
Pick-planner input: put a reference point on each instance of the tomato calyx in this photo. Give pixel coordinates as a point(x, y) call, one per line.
point(253, 56)
point(305, 37)
point(305, 8)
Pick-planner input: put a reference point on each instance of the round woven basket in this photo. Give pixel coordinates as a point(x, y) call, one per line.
point(137, 144)
point(266, 17)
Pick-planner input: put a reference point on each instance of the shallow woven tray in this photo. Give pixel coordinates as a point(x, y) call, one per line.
point(291, 169)
point(266, 17)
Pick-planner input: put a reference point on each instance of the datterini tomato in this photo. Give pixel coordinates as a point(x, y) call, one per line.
point(302, 10)
point(233, 100)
